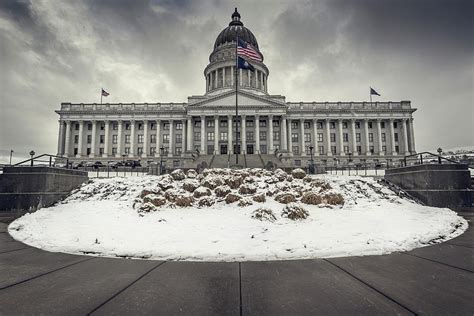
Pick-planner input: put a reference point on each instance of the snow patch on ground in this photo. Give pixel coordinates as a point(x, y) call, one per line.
point(100, 219)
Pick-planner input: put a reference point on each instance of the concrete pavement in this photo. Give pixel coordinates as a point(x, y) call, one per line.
point(432, 280)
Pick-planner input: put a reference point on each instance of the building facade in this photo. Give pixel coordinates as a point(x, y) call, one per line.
point(268, 126)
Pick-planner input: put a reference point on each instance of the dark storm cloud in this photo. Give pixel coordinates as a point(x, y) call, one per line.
point(148, 51)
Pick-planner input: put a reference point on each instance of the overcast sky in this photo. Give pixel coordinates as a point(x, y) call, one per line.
point(156, 51)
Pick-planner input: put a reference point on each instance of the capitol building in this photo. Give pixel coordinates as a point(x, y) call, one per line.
point(269, 129)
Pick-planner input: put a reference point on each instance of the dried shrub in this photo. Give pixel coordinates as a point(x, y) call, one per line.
point(271, 180)
point(178, 175)
point(234, 182)
point(147, 192)
point(282, 186)
point(272, 191)
point(285, 198)
point(191, 174)
point(260, 198)
point(333, 199)
point(156, 200)
point(307, 179)
point(222, 191)
point(172, 195)
point(206, 201)
point(298, 173)
point(190, 185)
point(201, 191)
point(294, 212)
point(280, 174)
point(212, 182)
point(231, 198)
point(322, 185)
point(311, 198)
point(247, 188)
point(165, 182)
point(264, 214)
point(146, 208)
point(184, 201)
point(289, 178)
point(245, 202)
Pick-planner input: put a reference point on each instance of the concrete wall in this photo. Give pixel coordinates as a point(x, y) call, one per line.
point(437, 185)
point(24, 189)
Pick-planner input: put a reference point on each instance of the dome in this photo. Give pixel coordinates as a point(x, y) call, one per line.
point(236, 28)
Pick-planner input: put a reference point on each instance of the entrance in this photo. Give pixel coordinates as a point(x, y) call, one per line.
point(223, 149)
point(249, 149)
point(236, 149)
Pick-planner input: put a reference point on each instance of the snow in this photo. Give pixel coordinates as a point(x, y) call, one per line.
point(106, 217)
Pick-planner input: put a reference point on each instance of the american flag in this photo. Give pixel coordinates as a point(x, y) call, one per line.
point(246, 50)
point(104, 93)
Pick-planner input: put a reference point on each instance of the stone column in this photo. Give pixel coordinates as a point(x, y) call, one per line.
point(240, 83)
point(243, 135)
point(257, 134)
point(284, 136)
point(216, 83)
point(203, 135)
point(119, 139)
point(158, 138)
point(290, 140)
point(67, 145)
point(248, 77)
point(379, 137)
point(315, 137)
point(171, 139)
point(353, 138)
point(93, 143)
point(340, 136)
point(328, 137)
point(189, 130)
point(145, 139)
point(366, 136)
point(216, 134)
point(303, 149)
point(132, 139)
point(61, 138)
point(392, 138)
point(106, 140)
point(232, 76)
point(223, 76)
point(81, 133)
point(270, 134)
point(230, 149)
point(405, 137)
point(412, 137)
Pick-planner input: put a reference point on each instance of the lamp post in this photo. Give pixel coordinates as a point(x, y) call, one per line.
point(162, 151)
point(11, 154)
point(440, 150)
point(32, 153)
point(312, 161)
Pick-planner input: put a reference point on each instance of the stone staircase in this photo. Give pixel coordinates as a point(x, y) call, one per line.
point(268, 157)
point(220, 161)
point(254, 161)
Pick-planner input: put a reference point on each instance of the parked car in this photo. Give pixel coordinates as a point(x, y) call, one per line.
point(133, 163)
point(78, 164)
point(115, 164)
point(98, 164)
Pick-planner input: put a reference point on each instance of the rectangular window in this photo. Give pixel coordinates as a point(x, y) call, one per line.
point(263, 149)
point(240, 123)
point(102, 127)
point(321, 150)
point(114, 139)
point(140, 151)
point(384, 148)
point(397, 149)
point(249, 136)
point(101, 139)
point(294, 137)
point(115, 126)
point(344, 124)
point(320, 125)
point(382, 124)
point(89, 127)
point(396, 137)
point(75, 151)
point(224, 124)
point(395, 124)
point(89, 139)
point(371, 149)
point(333, 137)
point(333, 150)
point(179, 126)
point(166, 126)
point(140, 126)
point(357, 124)
point(307, 137)
point(276, 123)
point(166, 138)
point(76, 127)
point(127, 139)
point(383, 137)
point(306, 149)
point(152, 139)
point(127, 126)
point(127, 150)
point(276, 136)
point(114, 150)
point(346, 149)
point(210, 136)
point(294, 125)
point(179, 138)
point(88, 151)
point(332, 125)
point(152, 151)
point(320, 137)
point(263, 136)
point(178, 151)
point(370, 124)
point(197, 136)
point(296, 150)
point(297, 162)
point(76, 139)
point(224, 136)
point(359, 149)
point(101, 151)
point(307, 125)
point(263, 123)
point(210, 123)
point(345, 137)
point(197, 124)
point(140, 139)
point(357, 137)
point(371, 137)
point(249, 123)
point(152, 126)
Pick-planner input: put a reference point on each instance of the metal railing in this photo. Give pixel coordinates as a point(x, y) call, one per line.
point(427, 158)
point(50, 161)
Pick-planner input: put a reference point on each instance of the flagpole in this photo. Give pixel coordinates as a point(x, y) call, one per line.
point(370, 95)
point(101, 95)
point(236, 102)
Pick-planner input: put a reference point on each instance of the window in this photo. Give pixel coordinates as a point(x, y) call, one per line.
point(233, 124)
point(115, 126)
point(382, 124)
point(346, 149)
point(127, 126)
point(140, 151)
point(114, 150)
point(320, 137)
point(263, 136)
point(276, 135)
point(371, 149)
point(321, 150)
point(294, 125)
point(75, 151)
point(357, 124)
point(224, 124)
point(152, 126)
point(152, 151)
point(166, 126)
point(210, 123)
point(395, 124)
point(89, 139)
point(396, 137)
point(345, 137)
point(369, 124)
point(276, 123)
point(297, 162)
point(101, 151)
point(397, 149)
point(357, 137)
point(296, 150)
point(88, 151)
point(153, 139)
point(197, 124)
point(371, 137)
point(127, 139)
point(307, 125)
point(76, 127)
point(263, 149)
point(344, 124)
point(179, 126)
point(333, 137)
point(140, 139)
point(210, 136)
point(294, 137)
point(383, 137)
point(319, 125)
point(306, 149)
point(166, 138)
point(359, 149)
point(89, 127)
point(178, 151)
point(224, 136)
point(384, 148)
point(250, 136)
point(101, 139)
point(127, 150)
point(307, 137)
point(332, 125)
point(333, 150)
point(179, 138)
point(263, 123)
point(102, 127)
point(249, 123)
point(197, 136)
point(76, 139)
point(140, 126)
point(114, 139)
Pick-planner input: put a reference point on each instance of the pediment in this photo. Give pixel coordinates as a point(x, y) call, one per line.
point(245, 99)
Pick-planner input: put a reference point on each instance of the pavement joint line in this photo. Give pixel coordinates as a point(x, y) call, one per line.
point(125, 288)
point(240, 288)
point(371, 287)
point(14, 250)
point(446, 264)
point(453, 244)
point(45, 273)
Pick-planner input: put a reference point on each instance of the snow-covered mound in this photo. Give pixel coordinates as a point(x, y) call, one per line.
point(235, 215)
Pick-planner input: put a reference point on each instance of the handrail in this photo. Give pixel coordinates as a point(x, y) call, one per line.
point(32, 159)
point(440, 158)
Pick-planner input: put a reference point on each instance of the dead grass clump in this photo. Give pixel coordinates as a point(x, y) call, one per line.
point(212, 182)
point(206, 202)
point(245, 202)
point(294, 212)
point(322, 185)
point(333, 199)
point(165, 182)
point(222, 191)
point(231, 198)
point(247, 189)
point(298, 173)
point(201, 191)
point(260, 198)
point(280, 174)
point(148, 192)
point(178, 175)
point(154, 199)
point(184, 201)
point(307, 179)
point(190, 185)
point(272, 191)
point(264, 214)
point(146, 208)
point(285, 198)
point(191, 174)
point(234, 182)
point(311, 198)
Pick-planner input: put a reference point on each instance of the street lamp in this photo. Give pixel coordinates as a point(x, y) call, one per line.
point(11, 153)
point(440, 150)
point(350, 157)
point(312, 160)
point(162, 151)
point(32, 153)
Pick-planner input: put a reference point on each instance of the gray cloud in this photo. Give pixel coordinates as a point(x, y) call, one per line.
point(147, 51)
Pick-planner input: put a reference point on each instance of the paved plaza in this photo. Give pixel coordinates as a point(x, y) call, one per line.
point(433, 280)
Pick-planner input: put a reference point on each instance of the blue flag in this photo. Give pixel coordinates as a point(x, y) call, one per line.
point(243, 64)
point(373, 92)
